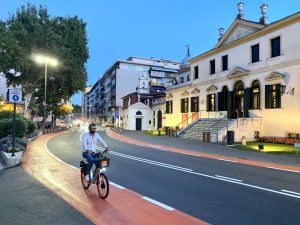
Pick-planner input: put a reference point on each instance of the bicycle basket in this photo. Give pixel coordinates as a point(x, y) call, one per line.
point(104, 162)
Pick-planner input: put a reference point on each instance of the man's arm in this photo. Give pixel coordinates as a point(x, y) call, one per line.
point(101, 141)
point(84, 143)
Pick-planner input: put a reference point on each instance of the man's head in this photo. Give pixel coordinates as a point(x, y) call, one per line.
point(92, 128)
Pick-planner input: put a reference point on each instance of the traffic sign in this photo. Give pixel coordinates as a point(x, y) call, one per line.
point(15, 95)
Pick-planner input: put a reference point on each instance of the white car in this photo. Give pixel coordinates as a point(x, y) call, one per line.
point(63, 124)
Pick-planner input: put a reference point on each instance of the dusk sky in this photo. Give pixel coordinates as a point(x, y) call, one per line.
point(118, 29)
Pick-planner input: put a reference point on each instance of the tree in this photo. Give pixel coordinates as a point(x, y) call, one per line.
point(30, 31)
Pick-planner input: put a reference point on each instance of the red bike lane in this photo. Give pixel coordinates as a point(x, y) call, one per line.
point(122, 207)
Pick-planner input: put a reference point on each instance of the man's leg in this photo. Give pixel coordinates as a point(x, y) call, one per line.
point(90, 159)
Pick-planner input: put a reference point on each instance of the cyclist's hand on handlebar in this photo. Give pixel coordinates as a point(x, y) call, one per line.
point(106, 150)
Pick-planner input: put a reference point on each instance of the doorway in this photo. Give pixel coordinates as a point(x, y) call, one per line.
point(138, 123)
point(239, 91)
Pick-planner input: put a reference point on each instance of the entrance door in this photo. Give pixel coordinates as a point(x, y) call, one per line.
point(239, 99)
point(159, 119)
point(138, 123)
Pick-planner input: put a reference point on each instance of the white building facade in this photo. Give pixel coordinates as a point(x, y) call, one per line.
point(252, 77)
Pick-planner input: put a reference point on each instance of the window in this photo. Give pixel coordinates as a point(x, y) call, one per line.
point(195, 104)
point(188, 77)
point(153, 122)
point(169, 107)
point(224, 62)
point(184, 105)
point(275, 47)
point(212, 66)
point(211, 102)
point(153, 113)
point(181, 80)
point(273, 96)
point(196, 72)
point(255, 53)
point(255, 95)
point(139, 113)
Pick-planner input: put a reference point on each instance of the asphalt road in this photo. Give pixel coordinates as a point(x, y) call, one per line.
point(219, 192)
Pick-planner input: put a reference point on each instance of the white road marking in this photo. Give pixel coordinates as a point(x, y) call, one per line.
point(294, 171)
point(237, 182)
point(116, 185)
point(151, 161)
point(158, 203)
point(291, 192)
point(229, 178)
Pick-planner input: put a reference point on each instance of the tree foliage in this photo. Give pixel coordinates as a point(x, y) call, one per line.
point(32, 31)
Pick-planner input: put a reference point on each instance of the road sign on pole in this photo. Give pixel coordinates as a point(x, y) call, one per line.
point(15, 95)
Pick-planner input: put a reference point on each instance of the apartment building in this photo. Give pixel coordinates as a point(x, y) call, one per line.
point(121, 79)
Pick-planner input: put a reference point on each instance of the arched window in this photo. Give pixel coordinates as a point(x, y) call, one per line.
point(138, 113)
point(255, 95)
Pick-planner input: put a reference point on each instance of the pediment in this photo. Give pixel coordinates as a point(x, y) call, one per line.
point(185, 93)
point(195, 91)
point(237, 72)
point(138, 105)
point(169, 95)
point(237, 30)
point(275, 76)
point(212, 88)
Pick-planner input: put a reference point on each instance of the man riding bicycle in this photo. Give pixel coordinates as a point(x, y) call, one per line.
point(89, 142)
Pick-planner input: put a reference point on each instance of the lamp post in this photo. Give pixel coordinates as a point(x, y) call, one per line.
point(45, 60)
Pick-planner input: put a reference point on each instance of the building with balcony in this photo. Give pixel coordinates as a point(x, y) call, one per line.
point(121, 79)
point(246, 83)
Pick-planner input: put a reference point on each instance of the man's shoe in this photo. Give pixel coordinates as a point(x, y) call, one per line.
point(87, 178)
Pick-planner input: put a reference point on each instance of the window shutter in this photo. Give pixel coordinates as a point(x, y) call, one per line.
point(230, 106)
point(167, 107)
point(278, 95)
point(171, 110)
point(187, 105)
point(268, 104)
point(247, 102)
point(207, 103)
point(181, 106)
point(220, 101)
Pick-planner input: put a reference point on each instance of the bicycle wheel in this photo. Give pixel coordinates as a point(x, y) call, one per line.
point(102, 185)
point(85, 184)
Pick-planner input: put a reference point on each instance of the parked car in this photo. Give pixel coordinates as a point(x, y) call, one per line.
point(64, 124)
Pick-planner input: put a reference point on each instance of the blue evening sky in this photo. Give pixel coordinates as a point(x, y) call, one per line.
point(118, 29)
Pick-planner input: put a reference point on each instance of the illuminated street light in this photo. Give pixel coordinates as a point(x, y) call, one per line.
point(45, 60)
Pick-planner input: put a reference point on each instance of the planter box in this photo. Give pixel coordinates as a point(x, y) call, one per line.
point(12, 160)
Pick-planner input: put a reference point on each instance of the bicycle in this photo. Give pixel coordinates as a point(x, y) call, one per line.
point(99, 178)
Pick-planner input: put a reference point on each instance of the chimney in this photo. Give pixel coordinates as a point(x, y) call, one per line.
point(240, 6)
point(263, 20)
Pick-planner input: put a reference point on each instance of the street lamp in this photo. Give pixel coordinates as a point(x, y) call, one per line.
point(45, 60)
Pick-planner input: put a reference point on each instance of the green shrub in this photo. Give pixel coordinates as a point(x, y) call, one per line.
point(33, 134)
point(6, 127)
point(31, 127)
point(8, 114)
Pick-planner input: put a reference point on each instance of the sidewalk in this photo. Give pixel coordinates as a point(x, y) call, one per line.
point(211, 149)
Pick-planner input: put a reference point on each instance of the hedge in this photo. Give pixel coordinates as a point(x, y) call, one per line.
point(279, 140)
point(6, 127)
